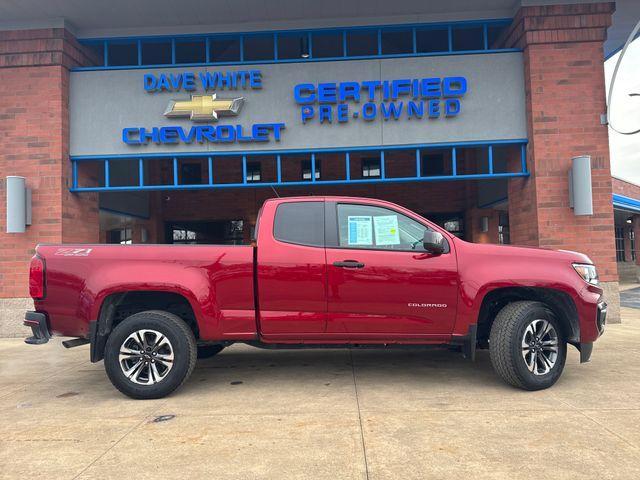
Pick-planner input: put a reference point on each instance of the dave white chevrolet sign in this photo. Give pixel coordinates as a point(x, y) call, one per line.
point(333, 104)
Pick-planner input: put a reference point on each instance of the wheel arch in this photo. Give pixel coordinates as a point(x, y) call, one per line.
point(116, 306)
point(559, 302)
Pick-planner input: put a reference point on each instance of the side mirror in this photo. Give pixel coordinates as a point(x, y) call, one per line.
point(433, 242)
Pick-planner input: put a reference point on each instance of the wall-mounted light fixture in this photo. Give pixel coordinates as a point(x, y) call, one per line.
point(18, 205)
point(484, 224)
point(580, 192)
point(304, 47)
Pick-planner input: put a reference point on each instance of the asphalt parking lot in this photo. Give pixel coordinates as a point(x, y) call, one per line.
point(338, 414)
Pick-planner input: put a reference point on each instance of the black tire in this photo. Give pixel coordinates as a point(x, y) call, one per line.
point(506, 346)
point(182, 344)
point(208, 351)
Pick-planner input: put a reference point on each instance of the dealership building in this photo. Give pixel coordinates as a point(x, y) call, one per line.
point(157, 122)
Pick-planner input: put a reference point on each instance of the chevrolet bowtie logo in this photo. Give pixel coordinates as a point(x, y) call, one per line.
point(203, 108)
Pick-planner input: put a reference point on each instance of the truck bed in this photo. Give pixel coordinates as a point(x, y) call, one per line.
point(217, 281)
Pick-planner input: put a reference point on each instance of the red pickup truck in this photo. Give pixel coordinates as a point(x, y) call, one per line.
point(323, 271)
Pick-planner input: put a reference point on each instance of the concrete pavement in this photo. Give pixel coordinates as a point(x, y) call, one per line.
point(338, 414)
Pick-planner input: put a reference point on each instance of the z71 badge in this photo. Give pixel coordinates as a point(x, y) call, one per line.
point(74, 252)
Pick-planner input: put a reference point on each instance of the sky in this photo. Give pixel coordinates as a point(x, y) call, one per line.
point(625, 114)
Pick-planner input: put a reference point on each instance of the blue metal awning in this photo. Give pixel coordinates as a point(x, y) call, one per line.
point(626, 203)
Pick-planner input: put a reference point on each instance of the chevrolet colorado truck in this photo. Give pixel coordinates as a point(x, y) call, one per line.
point(321, 272)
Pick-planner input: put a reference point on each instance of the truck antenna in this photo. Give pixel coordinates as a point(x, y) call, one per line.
point(275, 191)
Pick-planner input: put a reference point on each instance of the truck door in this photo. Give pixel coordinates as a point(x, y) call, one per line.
point(381, 282)
point(291, 270)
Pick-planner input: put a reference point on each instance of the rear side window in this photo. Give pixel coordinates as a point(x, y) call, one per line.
point(301, 223)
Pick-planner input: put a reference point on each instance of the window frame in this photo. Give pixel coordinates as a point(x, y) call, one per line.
point(332, 228)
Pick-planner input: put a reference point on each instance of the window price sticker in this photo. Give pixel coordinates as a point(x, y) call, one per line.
point(386, 229)
point(360, 230)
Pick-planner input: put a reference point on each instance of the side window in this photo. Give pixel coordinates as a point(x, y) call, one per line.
point(301, 223)
point(368, 227)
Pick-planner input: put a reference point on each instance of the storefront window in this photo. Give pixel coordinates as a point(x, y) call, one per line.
point(306, 169)
point(254, 172)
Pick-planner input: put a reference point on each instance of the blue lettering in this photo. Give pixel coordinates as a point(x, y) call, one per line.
point(369, 111)
point(255, 79)
point(391, 110)
point(261, 132)
point(349, 90)
point(434, 108)
point(169, 134)
point(452, 107)
point(400, 87)
point(306, 113)
point(430, 88)
point(225, 133)
point(129, 136)
point(149, 82)
point(189, 81)
point(327, 93)
point(304, 93)
point(343, 112)
point(415, 109)
point(324, 113)
point(454, 86)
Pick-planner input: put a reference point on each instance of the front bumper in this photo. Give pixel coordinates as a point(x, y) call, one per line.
point(38, 323)
point(586, 348)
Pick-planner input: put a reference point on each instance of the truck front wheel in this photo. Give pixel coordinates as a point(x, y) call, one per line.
point(526, 345)
point(150, 354)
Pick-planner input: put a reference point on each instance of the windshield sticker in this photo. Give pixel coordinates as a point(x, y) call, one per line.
point(360, 230)
point(386, 230)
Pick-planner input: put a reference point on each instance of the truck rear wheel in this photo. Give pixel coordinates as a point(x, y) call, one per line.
point(150, 354)
point(526, 345)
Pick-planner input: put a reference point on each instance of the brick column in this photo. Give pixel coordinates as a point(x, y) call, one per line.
point(565, 96)
point(34, 139)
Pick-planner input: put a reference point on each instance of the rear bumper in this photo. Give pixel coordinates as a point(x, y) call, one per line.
point(38, 323)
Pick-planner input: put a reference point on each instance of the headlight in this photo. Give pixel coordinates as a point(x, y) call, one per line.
point(587, 272)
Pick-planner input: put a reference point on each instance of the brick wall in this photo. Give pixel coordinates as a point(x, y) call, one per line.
point(628, 189)
point(34, 134)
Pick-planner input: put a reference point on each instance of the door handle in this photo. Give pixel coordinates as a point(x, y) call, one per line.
point(349, 264)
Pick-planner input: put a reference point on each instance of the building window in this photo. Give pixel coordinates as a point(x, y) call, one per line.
point(122, 236)
point(306, 169)
point(327, 45)
point(397, 42)
point(191, 51)
point(432, 165)
point(122, 54)
point(190, 173)
point(362, 43)
point(253, 172)
point(293, 46)
point(632, 244)
point(223, 50)
point(468, 38)
point(370, 168)
point(430, 40)
point(258, 47)
point(156, 53)
point(620, 253)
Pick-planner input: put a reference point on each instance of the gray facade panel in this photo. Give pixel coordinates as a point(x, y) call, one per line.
point(102, 103)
